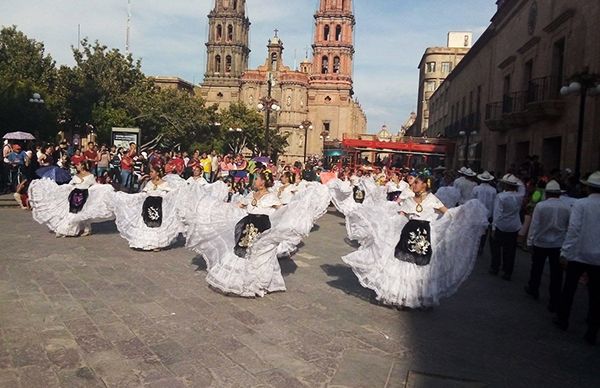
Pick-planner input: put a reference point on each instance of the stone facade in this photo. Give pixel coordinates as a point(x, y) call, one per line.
point(507, 88)
point(436, 64)
point(320, 91)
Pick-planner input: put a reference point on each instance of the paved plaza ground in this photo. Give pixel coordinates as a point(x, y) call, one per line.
point(90, 312)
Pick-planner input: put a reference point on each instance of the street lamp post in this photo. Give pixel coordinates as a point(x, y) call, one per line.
point(467, 135)
point(240, 141)
point(324, 136)
point(306, 125)
point(37, 101)
point(583, 84)
point(268, 104)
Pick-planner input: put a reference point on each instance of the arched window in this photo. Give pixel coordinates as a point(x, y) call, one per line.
point(218, 64)
point(229, 33)
point(336, 65)
point(219, 32)
point(326, 32)
point(324, 65)
point(338, 32)
point(228, 64)
point(234, 5)
point(273, 61)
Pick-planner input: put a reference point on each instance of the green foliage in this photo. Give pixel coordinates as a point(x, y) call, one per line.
point(106, 88)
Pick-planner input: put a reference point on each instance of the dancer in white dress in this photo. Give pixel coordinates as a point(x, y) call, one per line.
point(415, 258)
point(149, 220)
point(239, 241)
point(287, 189)
point(69, 210)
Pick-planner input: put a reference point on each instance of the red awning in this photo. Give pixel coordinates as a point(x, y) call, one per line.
point(408, 147)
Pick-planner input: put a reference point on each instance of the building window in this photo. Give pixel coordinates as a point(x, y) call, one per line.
point(336, 65)
point(558, 64)
point(446, 67)
point(273, 61)
point(229, 33)
point(324, 65)
point(326, 126)
point(218, 64)
point(219, 32)
point(338, 33)
point(326, 32)
point(467, 42)
point(431, 67)
point(235, 5)
point(430, 86)
point(228, 64)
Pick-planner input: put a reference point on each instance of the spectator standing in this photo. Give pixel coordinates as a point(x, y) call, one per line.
point(77, 157)
point(547, 231)
point(506, 224)
point(6, 150)
point(582, 252)
point(126, 170)
point(103, 160)
point(91, 156)
point(215, 161)
point(206, 166)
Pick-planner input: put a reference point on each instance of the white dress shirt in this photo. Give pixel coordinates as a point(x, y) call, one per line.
point(583, 236)
point(83, 183)
point(486, 194)
point(506, 212)
point(465, 186)
point(549, 224)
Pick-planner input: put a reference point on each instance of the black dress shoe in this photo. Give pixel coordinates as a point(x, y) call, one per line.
point(532, 293)
point(560, 324)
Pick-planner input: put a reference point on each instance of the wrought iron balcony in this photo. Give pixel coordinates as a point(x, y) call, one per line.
point(541, 101)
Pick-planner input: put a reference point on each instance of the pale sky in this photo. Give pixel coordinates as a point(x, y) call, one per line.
point(169, 37)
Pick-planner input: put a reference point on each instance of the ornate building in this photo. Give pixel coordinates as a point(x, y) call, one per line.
point(320, 91)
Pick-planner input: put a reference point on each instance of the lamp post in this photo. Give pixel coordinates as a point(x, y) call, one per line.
point(268, 104)
point(583, 84)
point(467, 135)
point(306, 125)
point(324, 136)
point(240, 141)
point(37, 101)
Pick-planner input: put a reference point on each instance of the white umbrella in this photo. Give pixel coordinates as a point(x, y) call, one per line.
point(19, 136)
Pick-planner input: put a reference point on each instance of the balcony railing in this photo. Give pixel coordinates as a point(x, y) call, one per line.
point(541, 101)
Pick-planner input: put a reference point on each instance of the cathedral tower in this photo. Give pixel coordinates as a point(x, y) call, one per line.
point(227, 49)
point(333, 47)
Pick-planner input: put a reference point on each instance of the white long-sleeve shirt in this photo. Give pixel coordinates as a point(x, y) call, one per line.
point(465, 186)
point(449, 195)
point(506, 212)
point(486, 194)
point(581, 243)
point(549, 224)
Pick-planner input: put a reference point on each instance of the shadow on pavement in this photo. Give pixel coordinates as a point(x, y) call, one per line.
point(199, 262)
point(288, 266)
point(347, 282)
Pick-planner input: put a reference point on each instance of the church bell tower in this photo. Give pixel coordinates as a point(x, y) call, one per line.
point(333, 47)
point(227, 47)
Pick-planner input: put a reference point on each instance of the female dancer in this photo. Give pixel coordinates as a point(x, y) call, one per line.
point(70, 209)
point(149, 220)
point(287, 189)
point(239, 241)
point(395, 187)
point(414, 258)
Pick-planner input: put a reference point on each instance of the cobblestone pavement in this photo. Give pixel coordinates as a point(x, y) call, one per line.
point(90, 312)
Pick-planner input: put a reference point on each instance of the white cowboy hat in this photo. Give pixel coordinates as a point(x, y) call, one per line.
point(553, 187)
point(439, 168)
point(462, 170)
point(510, 179)
point(593, 180)
point(469, 172)
point(485, 177)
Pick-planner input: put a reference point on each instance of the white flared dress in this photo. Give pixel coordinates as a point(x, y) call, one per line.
point(128, 209)
point(51, 207)
point(454, 240)
point(211, 232)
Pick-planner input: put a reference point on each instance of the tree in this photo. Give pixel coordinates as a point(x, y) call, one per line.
point(238, 115)
point(25, 69)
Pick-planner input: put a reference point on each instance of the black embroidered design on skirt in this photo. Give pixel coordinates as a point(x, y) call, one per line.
point(152, 212)
point(393, 196)
point(77, 198)
point(247, 230)
point(358, 195)
point(415, 243)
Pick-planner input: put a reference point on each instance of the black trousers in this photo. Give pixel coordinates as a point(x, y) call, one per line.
point(574, 271)
point(538, 260)
point(504, 250)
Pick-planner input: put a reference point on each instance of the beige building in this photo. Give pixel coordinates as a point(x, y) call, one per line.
point(173, 83)
point(320, 91)
point(436, 64)
point(505, 92)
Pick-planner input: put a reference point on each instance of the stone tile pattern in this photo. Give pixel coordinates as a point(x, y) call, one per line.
point(90, 312)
